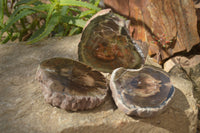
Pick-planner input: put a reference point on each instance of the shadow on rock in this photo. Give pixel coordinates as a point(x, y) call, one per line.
point(174, 116)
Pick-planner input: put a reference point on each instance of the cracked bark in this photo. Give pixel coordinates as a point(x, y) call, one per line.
point(168, 26)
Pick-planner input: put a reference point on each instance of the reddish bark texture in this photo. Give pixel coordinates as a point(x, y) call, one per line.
point(169, 26)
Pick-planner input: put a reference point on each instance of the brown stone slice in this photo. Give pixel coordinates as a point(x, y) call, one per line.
point(71, 85)
point(142, 92)
point(106, 44)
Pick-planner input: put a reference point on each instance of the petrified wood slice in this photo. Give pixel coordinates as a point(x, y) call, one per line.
point(142, 92)
point(106, 44)
point(71, 85)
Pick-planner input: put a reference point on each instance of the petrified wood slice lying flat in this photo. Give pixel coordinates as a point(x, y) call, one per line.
point(142, 92)
point(106, 44)
point(71, 85)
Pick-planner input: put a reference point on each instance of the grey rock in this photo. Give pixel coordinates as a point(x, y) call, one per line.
point(23, 108)
point(188, 69)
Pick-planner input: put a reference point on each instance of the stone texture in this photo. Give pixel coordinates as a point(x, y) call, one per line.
point(196, 3)
point(71, 85)
point(183, 61)
point(197, 6)
point(23, 109)
point(106, 44)
point(144, 92)
point(187, 68)
point(169, 26)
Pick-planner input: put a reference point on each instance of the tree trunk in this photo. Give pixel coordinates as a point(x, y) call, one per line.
point(169, 26)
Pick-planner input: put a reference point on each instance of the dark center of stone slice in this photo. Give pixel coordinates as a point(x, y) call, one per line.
point(72, 83)
point(105, 45)
point(145, 88)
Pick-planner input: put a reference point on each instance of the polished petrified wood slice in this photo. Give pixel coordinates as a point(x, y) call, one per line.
point(71, 85)
point(106, 44)
point(142, 92)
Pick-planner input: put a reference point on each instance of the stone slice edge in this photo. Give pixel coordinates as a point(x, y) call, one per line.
point(137, 111)
point(67, 102)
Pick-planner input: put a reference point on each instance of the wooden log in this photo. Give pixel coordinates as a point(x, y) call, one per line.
point(169, 26)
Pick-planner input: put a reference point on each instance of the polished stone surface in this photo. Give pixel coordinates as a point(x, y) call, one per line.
point(142, 92)
point(106, 44)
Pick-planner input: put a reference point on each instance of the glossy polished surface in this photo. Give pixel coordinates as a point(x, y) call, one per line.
point(149, 88)
point(106, 45)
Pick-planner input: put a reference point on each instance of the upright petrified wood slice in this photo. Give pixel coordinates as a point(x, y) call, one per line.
point(142, 92)
point(106, 44)
point(71, 85)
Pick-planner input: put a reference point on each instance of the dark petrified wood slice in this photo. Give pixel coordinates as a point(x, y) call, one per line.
point(71, 85)
point(106, 44)
point(142, 92)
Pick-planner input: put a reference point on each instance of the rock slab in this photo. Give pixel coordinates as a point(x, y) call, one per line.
point(23, 109)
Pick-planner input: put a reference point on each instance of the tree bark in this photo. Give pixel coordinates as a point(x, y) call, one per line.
point(169, 26)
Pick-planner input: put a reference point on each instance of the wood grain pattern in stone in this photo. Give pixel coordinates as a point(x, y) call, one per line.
point(169, 26)
point(106, 44)
point(71, 85)
point(142, 92)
